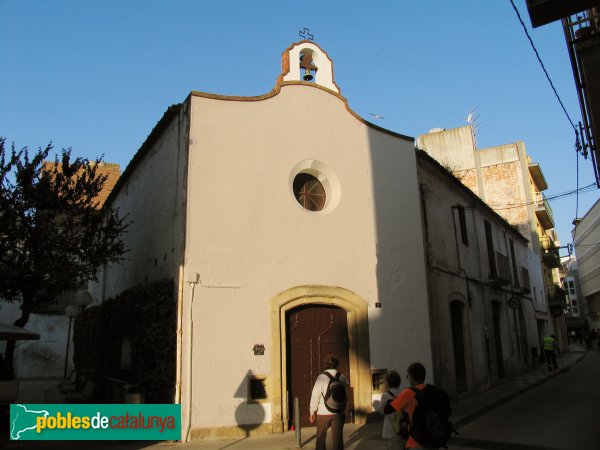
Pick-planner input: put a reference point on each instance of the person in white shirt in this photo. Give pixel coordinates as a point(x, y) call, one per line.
point(319, 412)
point(393, 440)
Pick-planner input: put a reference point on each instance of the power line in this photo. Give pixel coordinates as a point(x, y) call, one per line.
point(589, 188)
point(543, 67)
point(595, 244)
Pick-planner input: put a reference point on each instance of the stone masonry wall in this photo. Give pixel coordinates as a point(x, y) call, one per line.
point(504, 192)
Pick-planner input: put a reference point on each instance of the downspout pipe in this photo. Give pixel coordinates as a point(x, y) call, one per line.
point(190, 347)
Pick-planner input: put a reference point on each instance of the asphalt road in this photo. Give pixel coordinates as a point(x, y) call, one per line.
point(561, 414)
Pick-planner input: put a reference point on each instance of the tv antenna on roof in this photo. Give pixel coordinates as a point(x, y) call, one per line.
point(473, 119)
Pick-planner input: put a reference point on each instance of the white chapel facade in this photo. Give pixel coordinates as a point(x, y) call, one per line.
point(293, 230)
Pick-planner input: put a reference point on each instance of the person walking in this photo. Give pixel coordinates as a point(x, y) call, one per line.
point(587, 337)
point(572, 335)
point(327, 405)
point(407, 401)
point(394, 441)
point(550, 352)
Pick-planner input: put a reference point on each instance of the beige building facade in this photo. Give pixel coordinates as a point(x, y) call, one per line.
point(506, 179)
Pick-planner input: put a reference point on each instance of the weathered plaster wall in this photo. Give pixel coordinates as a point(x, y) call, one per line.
point(152, 197)
point(500, 176)
point(450, 262)
point(453, 148)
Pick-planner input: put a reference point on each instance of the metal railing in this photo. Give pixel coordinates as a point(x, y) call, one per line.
point(550, 251)
point(542, 202)
point(547, 243)
point(582, 30)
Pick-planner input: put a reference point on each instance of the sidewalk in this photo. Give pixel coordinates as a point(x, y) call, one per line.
point(364, 437)
point(368, 437)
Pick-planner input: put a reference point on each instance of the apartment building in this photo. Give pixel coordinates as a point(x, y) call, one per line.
point(512, 185)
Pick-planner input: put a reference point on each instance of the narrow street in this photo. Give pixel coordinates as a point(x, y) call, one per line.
point(560, 414)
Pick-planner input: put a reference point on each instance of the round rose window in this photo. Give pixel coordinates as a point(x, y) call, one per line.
point(309, 192)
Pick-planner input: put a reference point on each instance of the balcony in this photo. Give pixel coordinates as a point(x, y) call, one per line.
point(500, 274)
point(524, 286)
point(582, 33)
point(549, 250)
point(543, 211)
point(538, 177)
point(557, 300)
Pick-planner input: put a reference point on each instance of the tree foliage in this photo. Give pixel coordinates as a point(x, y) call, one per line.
point(53, 235)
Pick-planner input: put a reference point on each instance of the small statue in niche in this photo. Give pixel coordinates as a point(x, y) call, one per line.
point(306, 63)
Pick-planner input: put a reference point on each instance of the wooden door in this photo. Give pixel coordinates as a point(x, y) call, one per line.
point(458, 345)
point(498, 339)
point(313, 332)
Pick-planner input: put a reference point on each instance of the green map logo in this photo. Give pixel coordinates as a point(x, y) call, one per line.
point(95, 422)
point(23, 420)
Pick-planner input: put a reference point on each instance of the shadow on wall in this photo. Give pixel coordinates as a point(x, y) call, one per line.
point(249, 414)
point(397, 320)
point(401, 266)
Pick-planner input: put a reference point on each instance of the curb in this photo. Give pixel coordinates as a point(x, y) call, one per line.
point(487, 408)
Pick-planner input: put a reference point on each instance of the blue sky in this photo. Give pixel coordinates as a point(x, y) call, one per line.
point(97, 75)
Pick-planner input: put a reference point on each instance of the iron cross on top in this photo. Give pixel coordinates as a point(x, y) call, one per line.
point(305, 34)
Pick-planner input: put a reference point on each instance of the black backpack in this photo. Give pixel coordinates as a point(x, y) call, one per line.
point(335, 397)
point(430, 425)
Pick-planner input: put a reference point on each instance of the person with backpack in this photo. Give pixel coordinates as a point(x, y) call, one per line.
point(550, 348)
point(428, 409)
point(392, 423)
point(328, 403)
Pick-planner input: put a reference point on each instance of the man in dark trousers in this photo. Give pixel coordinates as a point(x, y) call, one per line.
point(319, 411)
point(550, 352)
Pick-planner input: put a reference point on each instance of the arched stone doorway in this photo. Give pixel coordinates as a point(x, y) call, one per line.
point(313, 332)
point(359, 371)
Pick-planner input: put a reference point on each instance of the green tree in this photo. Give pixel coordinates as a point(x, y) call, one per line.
point(53, 235)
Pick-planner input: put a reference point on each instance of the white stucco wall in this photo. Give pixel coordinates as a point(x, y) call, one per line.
point(586, 236)
point(43, 357)
point(249, 240)
point(152, 196)
point(453, 148)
